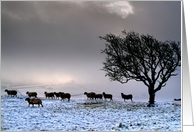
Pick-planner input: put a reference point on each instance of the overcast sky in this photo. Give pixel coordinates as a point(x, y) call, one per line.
point(58, 42)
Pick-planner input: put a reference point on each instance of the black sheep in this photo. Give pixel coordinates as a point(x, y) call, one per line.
point(177, 99)
point(11, 92)
point(57, 95)
point(31, 94)
point(126, 97)
point(107, 96)
point(34, 101)
point(98, 96)
point(64, 96)
point(90, 95)
point(49, 95)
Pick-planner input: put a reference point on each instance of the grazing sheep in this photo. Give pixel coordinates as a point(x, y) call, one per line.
point(64, 96)
point(98, 96)
point(34, 101)
point(90, 95)
point(49, 95)
point(57, 95)
point(31, 94)
point(130, 96)
point(11, 92)
point(107, 96)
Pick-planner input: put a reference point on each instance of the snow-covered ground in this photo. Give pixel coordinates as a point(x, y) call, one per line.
point(88, 115)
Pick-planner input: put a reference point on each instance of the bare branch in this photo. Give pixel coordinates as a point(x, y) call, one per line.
point(141, 58)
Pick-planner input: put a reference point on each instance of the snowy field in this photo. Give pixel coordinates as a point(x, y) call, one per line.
point(88, 115)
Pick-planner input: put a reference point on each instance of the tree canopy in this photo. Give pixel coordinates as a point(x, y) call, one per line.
point(142, 58)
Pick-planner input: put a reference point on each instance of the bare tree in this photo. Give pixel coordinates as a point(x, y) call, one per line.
point(142, 58)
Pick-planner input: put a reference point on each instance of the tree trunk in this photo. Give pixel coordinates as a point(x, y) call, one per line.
point(151, 99)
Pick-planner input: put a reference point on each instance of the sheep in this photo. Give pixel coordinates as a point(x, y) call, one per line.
point(61, 93)
point(65, 95)
point(49, 95)
point(130, 96)
point(11, 92)
point(98, 96)
point(109, 96)
point(31, 94)
point(34, 101)
point(90, 95)
point(177, 99)
point(57, 95)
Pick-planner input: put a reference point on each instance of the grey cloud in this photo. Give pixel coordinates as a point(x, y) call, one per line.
point(160, 19)
point(61, 38)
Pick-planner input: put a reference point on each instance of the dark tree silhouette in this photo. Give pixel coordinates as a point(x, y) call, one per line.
point(142, 58)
